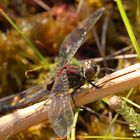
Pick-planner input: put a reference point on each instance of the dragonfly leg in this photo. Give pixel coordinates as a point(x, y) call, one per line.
point(94, 85)
point(73, 94)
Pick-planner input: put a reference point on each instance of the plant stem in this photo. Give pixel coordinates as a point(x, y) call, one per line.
point(128, 27)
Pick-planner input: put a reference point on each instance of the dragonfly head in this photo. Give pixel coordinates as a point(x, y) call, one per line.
point(90, 70)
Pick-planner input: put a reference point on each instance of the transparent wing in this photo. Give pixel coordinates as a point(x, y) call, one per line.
point(61, 115)
point(60, 111)
point(36, 94)
point(22, 99)
point(76, 38)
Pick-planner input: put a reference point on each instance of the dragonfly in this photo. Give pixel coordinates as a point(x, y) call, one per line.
point(40, 92)
point(60, 111)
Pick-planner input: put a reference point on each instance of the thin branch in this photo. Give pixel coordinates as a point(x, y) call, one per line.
point(116, 82)
point(42, 4)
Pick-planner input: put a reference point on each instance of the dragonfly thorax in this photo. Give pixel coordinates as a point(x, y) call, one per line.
point(90, 70)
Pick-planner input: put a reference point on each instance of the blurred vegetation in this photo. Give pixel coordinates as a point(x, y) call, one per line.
point(47, 30)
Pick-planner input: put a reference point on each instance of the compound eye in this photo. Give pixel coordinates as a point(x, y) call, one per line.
point(90, 71)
